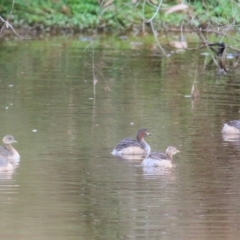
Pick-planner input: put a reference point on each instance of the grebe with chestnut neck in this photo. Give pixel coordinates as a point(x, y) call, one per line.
point(128, 146)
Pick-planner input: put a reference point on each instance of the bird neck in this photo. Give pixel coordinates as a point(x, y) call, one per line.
point(146, 147)
point(169, 156)
point(11, 149)
point(140, 139)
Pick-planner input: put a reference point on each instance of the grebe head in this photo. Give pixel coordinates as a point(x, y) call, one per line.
point(142, 133)
point(170, 151)
point(8, 139)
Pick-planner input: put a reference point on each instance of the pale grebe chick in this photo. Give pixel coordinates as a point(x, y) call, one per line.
point(130, 146)
point(158, 159)
point(231, 128)
point(7, 151)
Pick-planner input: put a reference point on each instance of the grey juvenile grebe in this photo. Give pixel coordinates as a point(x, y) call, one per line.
point(7, 151)
point(130, 146)
point(158, 159)
point(231, 127)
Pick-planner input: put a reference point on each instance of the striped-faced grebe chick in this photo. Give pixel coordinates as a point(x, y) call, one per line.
point(231, 128)
point(7, 151)
point(130, 146)
point(158, 159)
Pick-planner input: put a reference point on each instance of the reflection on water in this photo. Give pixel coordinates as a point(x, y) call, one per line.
point(153, 171)
point(6, 175)
point(232, 138)
point(131, 158)
point(69, 186)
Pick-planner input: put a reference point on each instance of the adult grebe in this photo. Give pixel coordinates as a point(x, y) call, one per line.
point(158, 159)
point(130, 146)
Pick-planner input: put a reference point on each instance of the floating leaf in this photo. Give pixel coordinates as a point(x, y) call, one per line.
point(181, 44)
point(107, 88)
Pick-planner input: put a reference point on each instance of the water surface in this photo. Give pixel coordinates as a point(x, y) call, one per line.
point(69, 186)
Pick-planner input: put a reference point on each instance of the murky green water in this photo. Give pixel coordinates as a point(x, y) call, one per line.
point(69, 186)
